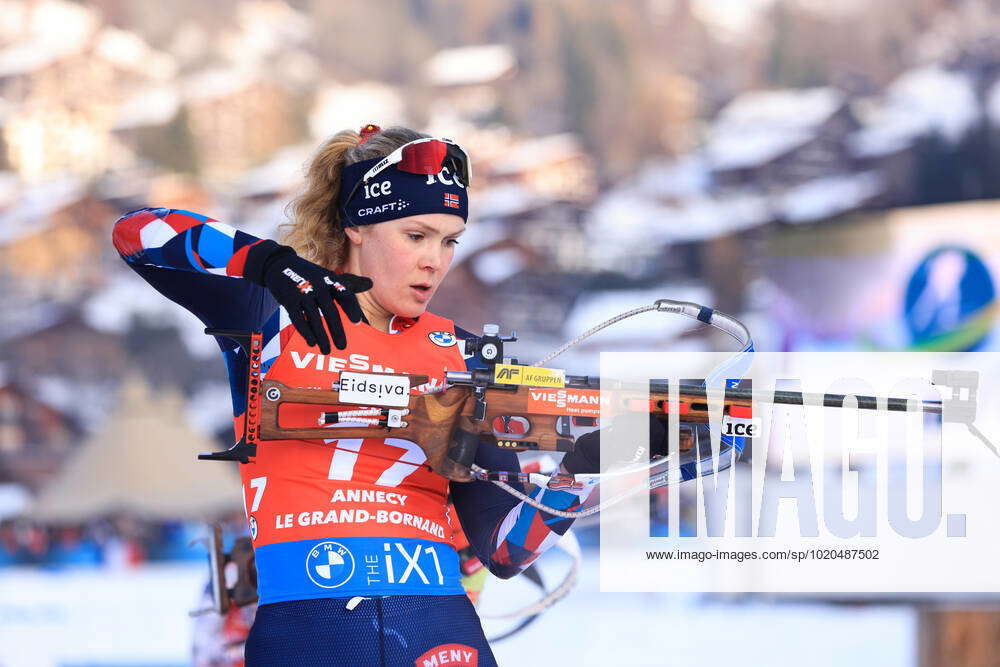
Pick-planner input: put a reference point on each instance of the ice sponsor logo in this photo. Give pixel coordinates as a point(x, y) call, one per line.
point(741, 426)
point(449, 655)
point(378, 189)
point(252, 523)
point(444, 177)
point(442, 338)
point(329, 564)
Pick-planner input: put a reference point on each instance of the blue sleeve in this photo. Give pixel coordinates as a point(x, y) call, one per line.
point(217, 301)
point(506, 533)
point(198, 263)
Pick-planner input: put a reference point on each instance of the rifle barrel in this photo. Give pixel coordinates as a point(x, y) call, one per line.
point(778, 397)
point(781, 397)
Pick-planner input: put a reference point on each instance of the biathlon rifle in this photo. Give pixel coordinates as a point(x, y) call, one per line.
point(529, 408)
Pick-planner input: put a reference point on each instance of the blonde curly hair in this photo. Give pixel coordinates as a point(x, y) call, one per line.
point(315, 230)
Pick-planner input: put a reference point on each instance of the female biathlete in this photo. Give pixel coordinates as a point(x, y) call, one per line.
point(352, 537)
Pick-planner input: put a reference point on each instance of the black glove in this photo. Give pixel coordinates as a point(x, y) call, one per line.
point(586, 455)
point(306, 290)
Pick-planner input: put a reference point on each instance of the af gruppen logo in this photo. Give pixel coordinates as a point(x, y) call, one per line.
point(329, 564)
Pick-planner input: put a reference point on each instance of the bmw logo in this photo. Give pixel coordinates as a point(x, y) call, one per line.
point(442, 338)
point(330, 564)
point(253, 528)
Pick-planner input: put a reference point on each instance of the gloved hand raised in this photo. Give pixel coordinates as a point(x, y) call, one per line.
point(586, 456)
point(307, 291)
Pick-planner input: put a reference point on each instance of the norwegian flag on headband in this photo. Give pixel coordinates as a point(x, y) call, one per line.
point(450, 200)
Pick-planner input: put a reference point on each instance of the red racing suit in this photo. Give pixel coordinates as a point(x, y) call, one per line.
point(338, 517)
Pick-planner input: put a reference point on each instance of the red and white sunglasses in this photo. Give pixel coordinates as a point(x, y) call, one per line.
point(425, 156)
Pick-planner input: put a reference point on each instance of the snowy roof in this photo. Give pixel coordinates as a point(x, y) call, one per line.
point(497, 264)
point(530, 153)
point(149, 107)
point(796, 108)
point(352, 106)
point(685, 177)
point(266, 27)
point(112, 309)
point(217, 82)
point(29, 212)
point(479, 234)
point(892, 133)
point(626, 218)
point(30, 318)
point(13, 16)
point(634, 217)
point(469, 65)
point(263, 18)
point(209, 408)
point(739, 150)
point(190, 42)
point(297, 68)
point(10, 189)
point(261, 219)
point(505, 200)
point(923, 100)
point(52, 30)
point(24, 58)
point(14, 499)
point(129, 51)
point(760, 126)
point(59, 19)
point(826, 197)
point(281, 173)
point(945, 101)
point(59, 393)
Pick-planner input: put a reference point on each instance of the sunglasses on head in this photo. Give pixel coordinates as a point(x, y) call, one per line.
point(426, 156)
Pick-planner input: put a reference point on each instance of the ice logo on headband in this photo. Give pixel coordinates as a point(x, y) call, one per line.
point(441, 178)
point(378, 189)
